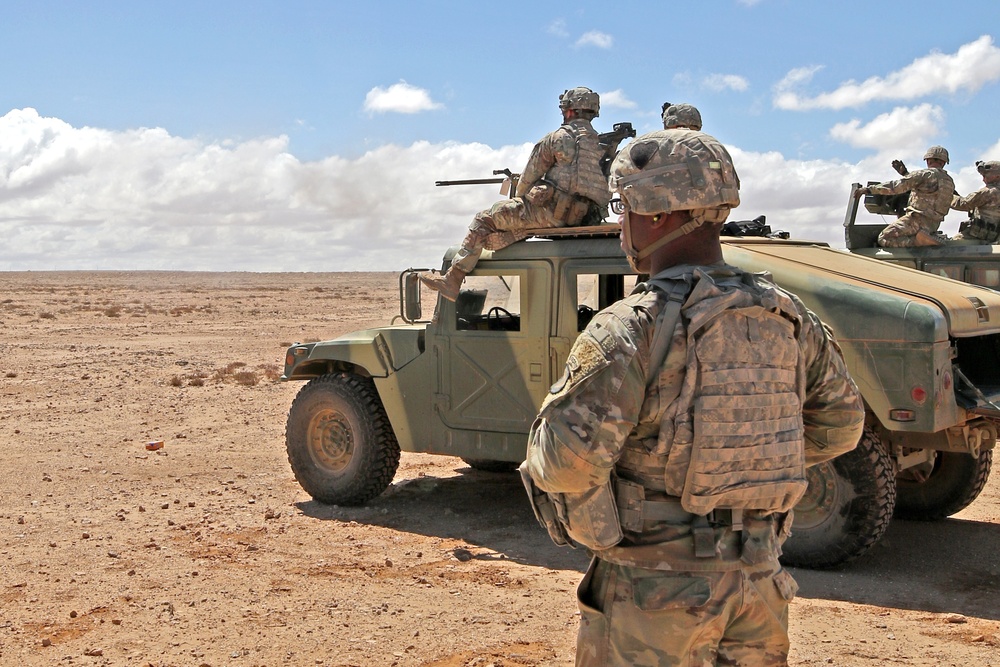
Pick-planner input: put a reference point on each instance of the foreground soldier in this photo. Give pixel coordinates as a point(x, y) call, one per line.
point(676, 442)
point(561, 186)
point(930, 191)
point(680, 117)
point(984, 224)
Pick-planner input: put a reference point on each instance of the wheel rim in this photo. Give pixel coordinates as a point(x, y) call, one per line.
point(331, 440)
point(820, 499)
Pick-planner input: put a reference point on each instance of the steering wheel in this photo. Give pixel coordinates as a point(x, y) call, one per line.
point(496, 313)
point(584, 314)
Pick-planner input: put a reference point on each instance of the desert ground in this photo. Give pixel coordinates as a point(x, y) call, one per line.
point(207, 551)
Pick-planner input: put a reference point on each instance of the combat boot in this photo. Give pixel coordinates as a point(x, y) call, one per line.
point(447, 284)
point(925, 238)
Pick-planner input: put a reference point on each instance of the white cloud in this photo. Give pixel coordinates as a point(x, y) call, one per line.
point(720, 82)
point(618, 99)
point(970, 68)
point(87, 198)
point(898, 130)
point(84, 198)
point(558, 28)
point(399, 98)
point(596, 38)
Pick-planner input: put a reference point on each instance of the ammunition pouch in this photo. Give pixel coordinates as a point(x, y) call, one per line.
point(977, 228)
point(761, 536)
point(570, 209)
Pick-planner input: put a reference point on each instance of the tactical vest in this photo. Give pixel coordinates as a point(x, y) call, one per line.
point(582, 176)
point(933, 196)
point(730, 431)
point(985, 222)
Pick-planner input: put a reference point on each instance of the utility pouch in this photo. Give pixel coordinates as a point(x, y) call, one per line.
point(545, 508)
point(540, 195)
point(592, 517)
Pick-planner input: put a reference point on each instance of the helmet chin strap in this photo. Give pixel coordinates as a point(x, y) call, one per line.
point(686, 228)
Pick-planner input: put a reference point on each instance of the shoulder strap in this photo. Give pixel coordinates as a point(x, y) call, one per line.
point(676, 291)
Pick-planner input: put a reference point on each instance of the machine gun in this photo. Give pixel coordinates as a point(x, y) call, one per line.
point(609, 141)
point(509, 181)
point(755, 227)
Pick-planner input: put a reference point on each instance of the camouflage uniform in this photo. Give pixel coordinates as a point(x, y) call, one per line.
point(573, 192)
point(984, 224)
point(930, 198)
point(650, 600)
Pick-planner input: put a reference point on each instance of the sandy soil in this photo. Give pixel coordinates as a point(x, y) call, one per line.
point(207, 552)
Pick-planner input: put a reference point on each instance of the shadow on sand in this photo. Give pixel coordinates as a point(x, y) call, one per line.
point(948, 566)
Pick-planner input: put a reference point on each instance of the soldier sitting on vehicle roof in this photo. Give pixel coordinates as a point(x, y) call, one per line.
point(984, 221)
point(561, 186)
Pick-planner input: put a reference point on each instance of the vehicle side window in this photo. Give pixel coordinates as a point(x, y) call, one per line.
point(985, 276)
point(489, 303)
point(596, 291)
point(953, 271)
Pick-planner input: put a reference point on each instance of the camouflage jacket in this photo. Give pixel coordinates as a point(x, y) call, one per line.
point(984, 203)
point(570, 159)
point(601, 414)
point(930, 191)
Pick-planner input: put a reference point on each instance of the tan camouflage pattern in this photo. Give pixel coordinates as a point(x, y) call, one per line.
point(930, 191)
point(568, 160)
point(682, 619)
point(600, 420)
point(681, 116)
point(675, 170)
point(985, 206)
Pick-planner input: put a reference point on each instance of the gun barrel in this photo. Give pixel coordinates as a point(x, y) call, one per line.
point(471, 181)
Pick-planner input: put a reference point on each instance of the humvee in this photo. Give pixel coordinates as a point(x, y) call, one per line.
point(965, 260)
point(469, 380)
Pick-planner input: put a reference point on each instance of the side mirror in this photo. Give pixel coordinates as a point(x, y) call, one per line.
point(409, 296)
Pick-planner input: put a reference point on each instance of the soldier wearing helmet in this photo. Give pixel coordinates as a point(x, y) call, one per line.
point(930, 191)
point(561, 186)
point(983, 205)
point(671, 582)
point(680, 116)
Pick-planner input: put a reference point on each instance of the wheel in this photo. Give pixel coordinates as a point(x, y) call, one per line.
point(943, 488)
point(846, 509)
point(339, 440)
point(487, 465)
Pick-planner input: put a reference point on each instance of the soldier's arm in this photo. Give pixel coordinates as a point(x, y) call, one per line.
point(894, 187)
point(546, 152)
point(583, 423)
point(969, 201)
point(833, 412)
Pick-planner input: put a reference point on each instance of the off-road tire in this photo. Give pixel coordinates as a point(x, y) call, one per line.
point(340, 444)
point(487, 465)
point(956, 480)
point(847, 508)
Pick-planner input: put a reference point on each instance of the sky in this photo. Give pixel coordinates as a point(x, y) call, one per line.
point(244, 135)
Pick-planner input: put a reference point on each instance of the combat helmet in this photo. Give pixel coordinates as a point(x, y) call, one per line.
point(937, 153)
point(680, 115)
point(990, 168)
point(581, 99)
point(674, 170)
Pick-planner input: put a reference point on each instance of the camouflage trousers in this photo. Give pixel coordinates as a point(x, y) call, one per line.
point(675, 618)
point(498, 227)
point(902, 233)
